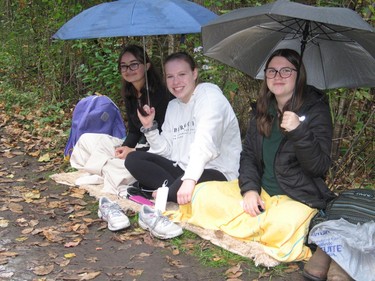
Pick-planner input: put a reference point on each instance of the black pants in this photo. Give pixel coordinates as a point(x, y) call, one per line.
point(151, 170)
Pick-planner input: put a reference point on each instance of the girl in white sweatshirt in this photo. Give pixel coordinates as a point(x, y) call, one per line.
point(200, 139)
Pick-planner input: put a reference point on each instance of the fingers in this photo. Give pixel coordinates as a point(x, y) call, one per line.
point(183, 199)
point(253, 204)
point(185, 192)
point(290, 121)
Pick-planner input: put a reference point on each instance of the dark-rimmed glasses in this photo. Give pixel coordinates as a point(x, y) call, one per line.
point(133, 66)
point(284, 72)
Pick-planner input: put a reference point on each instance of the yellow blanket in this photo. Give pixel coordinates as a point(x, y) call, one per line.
point(281, 229)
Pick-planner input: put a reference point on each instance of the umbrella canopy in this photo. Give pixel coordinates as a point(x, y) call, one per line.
point(136, 18)
point(337, 45)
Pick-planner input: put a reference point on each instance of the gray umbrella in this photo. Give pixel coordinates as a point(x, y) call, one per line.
point(337, 45)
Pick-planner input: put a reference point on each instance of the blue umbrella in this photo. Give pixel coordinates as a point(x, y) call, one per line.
point(136, 18)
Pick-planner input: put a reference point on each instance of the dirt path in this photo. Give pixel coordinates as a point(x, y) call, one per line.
point(49, 231)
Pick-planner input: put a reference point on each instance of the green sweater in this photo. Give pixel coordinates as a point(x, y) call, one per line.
point(270, 147)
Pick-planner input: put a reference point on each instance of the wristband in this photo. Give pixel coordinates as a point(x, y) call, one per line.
point(153, 127)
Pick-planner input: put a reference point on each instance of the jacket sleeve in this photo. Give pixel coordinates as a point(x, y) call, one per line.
point(133, 134)
point(250, 173)
point(312, 140)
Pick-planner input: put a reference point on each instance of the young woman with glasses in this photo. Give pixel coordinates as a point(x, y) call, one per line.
point(104, 155)
point(285, 157)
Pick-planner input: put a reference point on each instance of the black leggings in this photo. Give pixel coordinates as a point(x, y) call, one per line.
point(151, 170)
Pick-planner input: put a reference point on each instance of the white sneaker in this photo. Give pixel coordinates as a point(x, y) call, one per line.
point(112, 213)
point(159, 225)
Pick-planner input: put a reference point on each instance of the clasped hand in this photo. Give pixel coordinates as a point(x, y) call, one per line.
point(290, 121)
point(123, 151)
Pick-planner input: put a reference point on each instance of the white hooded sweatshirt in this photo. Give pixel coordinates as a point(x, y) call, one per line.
point(201, 134)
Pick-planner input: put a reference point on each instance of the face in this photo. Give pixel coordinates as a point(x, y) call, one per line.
point(136, 76)
point(180, 79)
point(282, 88)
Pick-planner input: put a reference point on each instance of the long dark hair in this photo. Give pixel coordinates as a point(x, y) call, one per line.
point(267, 98)
point(155, 82)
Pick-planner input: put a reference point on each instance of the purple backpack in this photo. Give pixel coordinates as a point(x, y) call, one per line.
point(95, 114)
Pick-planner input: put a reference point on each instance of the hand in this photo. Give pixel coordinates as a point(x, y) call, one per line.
point(123, 151)
point(185, 192)
point(290, 121)
point(149, 118)
point(252, 202)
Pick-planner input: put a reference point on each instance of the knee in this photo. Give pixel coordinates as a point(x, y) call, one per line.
point(130, 158)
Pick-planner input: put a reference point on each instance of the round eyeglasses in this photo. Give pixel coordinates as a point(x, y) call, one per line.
point(284, 72)
point(133, 66)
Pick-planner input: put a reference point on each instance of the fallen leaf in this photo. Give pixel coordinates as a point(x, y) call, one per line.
point(6, 274)
point(73, 243)
point(43, 270)
point(44, 158)
point(27, 230)
point(30, 196)
point(292, 268)
point(33, 223)
point(173, 262)
point(83, 213)
point(52, 235)
point(4, 222)
point(175, 251)
point(15, 208)
point(34, 154)
point(134, 272)
point(8, 254)
point(89, 275)
point(62, 261)
point(234, 272)
point(21, 238)
point(70, 255)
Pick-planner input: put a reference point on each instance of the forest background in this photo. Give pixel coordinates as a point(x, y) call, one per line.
point(42, 79)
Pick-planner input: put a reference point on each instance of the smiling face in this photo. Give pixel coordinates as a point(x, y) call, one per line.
point(282, 88)
point(180, 79)
point(137, 76)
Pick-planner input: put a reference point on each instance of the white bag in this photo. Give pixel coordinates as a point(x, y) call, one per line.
point(351, 246)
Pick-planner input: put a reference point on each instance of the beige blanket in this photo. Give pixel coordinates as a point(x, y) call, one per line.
point(250, 250)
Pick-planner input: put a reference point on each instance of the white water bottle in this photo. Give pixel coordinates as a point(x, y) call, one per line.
point(161, 197)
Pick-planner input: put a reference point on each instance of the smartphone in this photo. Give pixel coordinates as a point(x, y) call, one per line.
point(141, 200)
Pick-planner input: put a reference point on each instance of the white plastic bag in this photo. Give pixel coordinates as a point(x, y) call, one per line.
point(351, 246)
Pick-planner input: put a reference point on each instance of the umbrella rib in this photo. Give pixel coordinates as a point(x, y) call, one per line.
point(294, 27)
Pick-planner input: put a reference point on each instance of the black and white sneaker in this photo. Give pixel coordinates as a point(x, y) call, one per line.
point(133, 190)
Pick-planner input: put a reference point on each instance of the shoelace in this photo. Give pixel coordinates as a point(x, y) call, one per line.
point(114, 209)
point(160, 219)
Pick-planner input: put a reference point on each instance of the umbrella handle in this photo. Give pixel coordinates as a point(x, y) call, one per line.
point(145, 66)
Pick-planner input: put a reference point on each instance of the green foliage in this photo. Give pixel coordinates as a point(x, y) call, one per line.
point(99, 72)
point(61, 72)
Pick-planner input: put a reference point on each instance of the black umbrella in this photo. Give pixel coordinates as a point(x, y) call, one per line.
point(337, 45)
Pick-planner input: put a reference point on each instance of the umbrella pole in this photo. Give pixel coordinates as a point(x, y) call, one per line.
point(305, 34)
point(145, 64)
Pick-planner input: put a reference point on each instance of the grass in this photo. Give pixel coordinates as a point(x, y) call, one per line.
point(214, 256)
